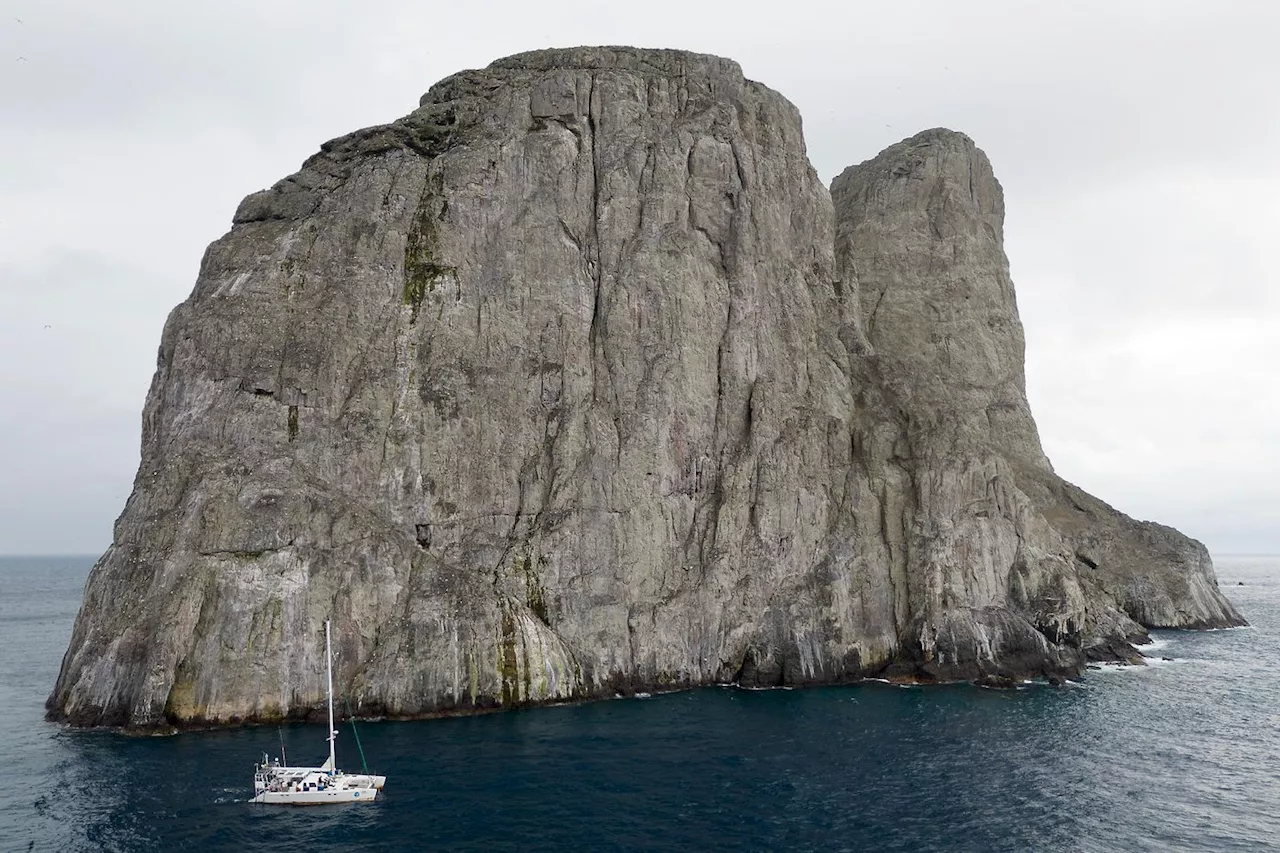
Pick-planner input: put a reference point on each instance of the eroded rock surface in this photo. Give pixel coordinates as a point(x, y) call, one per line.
point(575, 381)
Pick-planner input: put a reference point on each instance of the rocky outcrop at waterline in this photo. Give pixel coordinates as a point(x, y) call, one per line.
point(578, 380)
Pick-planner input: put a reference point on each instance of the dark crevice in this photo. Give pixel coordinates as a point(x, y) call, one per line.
point(1087, 560)
point(246, 554)
point(871, 317)
point(594, 263)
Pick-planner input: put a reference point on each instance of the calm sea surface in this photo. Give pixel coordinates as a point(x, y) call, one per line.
point(1181, 755)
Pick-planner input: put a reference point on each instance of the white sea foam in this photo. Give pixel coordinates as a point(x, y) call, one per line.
point(904, 684)
point(1153, 651)
point(1021, 685)
point(1115, 666)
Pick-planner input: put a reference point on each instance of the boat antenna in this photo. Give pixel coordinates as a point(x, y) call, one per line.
point(333, 734)
point(280, 729)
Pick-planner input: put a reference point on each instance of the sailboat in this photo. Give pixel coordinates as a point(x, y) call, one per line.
point(276, 783)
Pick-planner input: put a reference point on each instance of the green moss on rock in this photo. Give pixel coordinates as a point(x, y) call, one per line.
point(535, 596)
point(509, 668)
point(422, 268)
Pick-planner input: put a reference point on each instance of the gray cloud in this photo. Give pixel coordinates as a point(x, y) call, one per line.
point(1134, 142)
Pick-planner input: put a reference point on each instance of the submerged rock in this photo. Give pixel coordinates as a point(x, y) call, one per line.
point(575, 382)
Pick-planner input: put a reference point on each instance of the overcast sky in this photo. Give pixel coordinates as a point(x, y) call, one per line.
point(1136, 143)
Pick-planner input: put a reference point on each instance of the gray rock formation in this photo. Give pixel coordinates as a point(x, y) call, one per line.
point(575, 381)
point(919, 230)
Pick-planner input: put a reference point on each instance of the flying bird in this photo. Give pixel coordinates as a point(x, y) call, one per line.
point(21, 59)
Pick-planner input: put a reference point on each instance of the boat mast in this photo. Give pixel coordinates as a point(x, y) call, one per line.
point(333, 734)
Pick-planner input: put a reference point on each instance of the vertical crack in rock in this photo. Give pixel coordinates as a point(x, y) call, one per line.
point(596, 261)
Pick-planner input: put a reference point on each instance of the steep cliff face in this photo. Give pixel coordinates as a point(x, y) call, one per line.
point(574, 381)
point(920, 229)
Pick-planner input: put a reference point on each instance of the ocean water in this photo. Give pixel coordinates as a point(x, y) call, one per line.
point(1180, 755)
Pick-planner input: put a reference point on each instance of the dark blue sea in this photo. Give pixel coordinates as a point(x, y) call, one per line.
point(1180, 755)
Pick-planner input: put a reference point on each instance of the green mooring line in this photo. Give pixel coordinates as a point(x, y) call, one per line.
point(364, 764)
